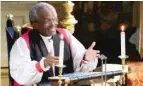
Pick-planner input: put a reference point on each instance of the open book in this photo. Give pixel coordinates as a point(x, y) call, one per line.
point(112, 67)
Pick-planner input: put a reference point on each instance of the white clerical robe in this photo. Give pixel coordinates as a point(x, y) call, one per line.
point(23, 69)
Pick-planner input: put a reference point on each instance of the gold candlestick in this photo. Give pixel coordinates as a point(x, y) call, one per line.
point(124, 66)
point(67, 81)
point(69, 21)
point(124, 69)
point(60, 74)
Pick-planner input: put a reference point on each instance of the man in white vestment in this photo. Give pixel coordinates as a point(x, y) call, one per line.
point(34, 53)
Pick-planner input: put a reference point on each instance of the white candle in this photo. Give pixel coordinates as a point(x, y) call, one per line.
point(61, 52)
point(123, 47)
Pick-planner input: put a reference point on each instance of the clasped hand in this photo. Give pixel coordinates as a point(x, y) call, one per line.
point(50, 60)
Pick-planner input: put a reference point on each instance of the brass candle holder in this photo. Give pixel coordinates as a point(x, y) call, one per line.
point(69, 20)
point(60, 74)
point(67, 81)
point(124, 69)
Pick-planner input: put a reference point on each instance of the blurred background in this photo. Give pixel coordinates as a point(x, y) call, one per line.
point(98, 21)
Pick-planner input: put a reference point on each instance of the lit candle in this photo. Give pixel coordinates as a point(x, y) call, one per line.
point(61, 52)
point(123, 47)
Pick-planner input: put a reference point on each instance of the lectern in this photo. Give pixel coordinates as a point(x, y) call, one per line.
point(73, 79)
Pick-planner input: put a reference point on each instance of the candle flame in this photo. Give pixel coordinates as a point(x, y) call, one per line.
point(61, 36)
point(122, 28)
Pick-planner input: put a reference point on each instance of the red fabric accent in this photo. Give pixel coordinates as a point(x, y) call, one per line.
point(38, 67)
point(83, 62)
point(16, 84)
point(25, 36)
point(60, 30)
point(28, 27)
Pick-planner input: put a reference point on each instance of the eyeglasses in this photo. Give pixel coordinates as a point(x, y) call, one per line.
point(55, 21)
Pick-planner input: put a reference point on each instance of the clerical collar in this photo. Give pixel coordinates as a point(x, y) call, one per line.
point(46, 37)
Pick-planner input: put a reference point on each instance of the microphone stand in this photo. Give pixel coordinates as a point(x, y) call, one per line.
point(103, 58)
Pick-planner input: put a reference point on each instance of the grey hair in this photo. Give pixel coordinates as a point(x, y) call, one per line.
point(33, 11)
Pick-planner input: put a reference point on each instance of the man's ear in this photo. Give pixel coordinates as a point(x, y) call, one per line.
point(34, 25)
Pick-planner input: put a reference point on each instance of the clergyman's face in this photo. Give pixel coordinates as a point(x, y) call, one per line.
point(46, 22)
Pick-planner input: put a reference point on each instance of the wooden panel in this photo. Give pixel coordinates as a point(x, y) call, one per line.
point(141, 29)
point(19, 20)
point(4, 77)
point(20, 11)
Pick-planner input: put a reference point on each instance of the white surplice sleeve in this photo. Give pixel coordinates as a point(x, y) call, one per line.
point(78, 51)
point(22, 68)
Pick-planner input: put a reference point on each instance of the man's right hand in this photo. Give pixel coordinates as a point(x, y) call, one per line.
point(50, 60)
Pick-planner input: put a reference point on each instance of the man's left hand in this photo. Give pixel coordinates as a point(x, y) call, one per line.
point(91, 54)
